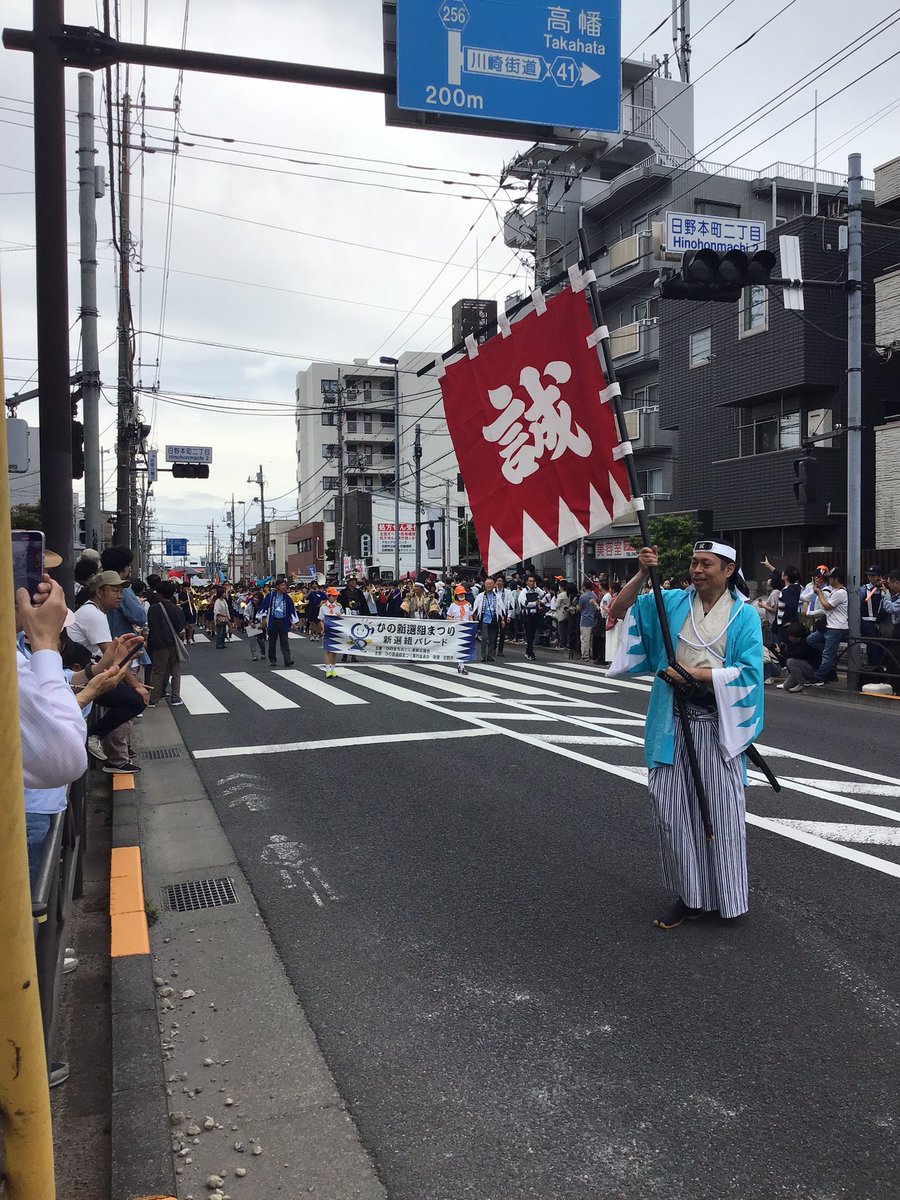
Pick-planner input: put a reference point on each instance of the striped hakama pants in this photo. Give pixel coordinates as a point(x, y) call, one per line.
point(711, 875)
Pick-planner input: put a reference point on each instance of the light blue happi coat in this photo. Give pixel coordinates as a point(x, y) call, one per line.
point(738, 683)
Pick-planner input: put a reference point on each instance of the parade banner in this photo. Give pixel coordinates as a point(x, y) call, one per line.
point(401, 637)
point(534, 433)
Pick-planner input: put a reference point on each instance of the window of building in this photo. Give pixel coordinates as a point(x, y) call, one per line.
point(640, 311)
point(753, 311)
point(700, 351)
point(650, 482)
point(461, 512)
point(351, 422)
point(329, 483)
point(368, 482)
point(715, 208)
point(641, 225)
point(328, 514)
point(328, 418)
point(329, 387)
point(387, 418)
point(329, 450)
point(387, 387)
point(387, 481)
point(367, 422)
point(644, 397)
point(776, 427)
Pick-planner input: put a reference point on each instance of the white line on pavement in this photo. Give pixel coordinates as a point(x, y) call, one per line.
point(439, 685)
point(834, 831)
point(199, 700)
point(575, 739)
point(809, 839)
point(320, 687)
point(257, 691)
point(382, 739)
point(542, 675)
point(512, 685)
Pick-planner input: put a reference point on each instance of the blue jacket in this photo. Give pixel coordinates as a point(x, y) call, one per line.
point(738, 683)
point(290, 612)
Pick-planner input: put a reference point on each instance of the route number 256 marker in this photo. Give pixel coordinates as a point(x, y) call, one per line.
point(522, 60)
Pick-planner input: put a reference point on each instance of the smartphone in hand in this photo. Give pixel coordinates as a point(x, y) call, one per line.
point(28, 559)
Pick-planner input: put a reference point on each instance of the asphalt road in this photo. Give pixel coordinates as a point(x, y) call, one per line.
point(462, 889)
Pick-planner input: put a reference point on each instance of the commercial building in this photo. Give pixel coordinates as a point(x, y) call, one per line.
point(346, 417)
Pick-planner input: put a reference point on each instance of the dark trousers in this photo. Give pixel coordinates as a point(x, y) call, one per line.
point(598, 643)
point(532, 623)
point(120, 704)
point(278, 628)
point(488, 640)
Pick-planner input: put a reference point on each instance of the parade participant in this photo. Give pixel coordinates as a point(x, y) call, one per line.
point(719, 644)
point(278, 610)
point(330, 607)
point(460, 609)
point(532, 603)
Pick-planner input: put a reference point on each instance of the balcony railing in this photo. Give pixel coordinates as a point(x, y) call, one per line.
point(638, 121)
point(638, 338)
point(780, 170)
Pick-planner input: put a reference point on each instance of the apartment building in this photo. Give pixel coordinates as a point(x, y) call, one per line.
point(697, 378)
point(365, 395)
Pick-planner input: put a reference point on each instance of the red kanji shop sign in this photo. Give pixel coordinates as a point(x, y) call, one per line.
point(533, 438)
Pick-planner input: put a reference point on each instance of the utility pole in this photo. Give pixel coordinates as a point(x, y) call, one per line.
point(125, 435)
point(542, 217)
point(89, 189)
point(339, 507)
point(417, 455)
point(854, 410)
point(395, 363)
point(447, 523)
point(51, 277)
point(681, 37)
point(232, 536)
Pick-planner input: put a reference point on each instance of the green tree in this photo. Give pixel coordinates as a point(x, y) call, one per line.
point(674, 535)
point(25, 516)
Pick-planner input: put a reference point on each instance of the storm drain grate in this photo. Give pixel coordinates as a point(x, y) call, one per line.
point(163, 752)
point(199, 893)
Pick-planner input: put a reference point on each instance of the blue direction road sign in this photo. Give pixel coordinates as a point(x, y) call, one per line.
point(176, 547)
point(512, 60)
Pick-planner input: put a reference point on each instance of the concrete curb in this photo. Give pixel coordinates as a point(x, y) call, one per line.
point(141, 1160)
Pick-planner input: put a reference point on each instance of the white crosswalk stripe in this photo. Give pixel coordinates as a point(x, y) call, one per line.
point(538, 673)
point(257, 691)
point(199, 700)
point(439, 685)
point(320, 687)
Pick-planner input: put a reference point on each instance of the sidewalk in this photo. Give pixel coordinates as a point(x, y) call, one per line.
point(216, 1071)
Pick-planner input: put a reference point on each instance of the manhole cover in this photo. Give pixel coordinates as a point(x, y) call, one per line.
point(199, 893)
point(163, 752)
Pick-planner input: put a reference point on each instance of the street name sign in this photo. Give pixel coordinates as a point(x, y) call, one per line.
point(515, 60)
point(697, 231)
point(176, 547)
point(189, 454)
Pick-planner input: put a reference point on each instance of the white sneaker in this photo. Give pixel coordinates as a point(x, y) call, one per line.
point(95, 747)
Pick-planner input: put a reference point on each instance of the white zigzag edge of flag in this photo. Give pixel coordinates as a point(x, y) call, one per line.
point(536, 541)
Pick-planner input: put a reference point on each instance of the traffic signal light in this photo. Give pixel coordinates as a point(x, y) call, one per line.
point(430, 542)
point(77, 450)
point(708, 275)
point(190, 470)
point(805, 483)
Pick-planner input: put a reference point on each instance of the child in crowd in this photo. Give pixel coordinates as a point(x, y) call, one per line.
point(460, 610)
point(330, 607)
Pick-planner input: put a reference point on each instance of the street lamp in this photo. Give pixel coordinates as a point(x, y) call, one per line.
point(395, 363)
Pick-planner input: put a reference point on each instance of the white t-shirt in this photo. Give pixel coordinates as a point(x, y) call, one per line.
point(836, 616)
point(90, 628)
point(459, 611)
point(331, 608)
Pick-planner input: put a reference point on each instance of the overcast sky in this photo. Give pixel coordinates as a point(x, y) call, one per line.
point(290, 293)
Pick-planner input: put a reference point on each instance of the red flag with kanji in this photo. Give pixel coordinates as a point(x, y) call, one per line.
point(533, 438)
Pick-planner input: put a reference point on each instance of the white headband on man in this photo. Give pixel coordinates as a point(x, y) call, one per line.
point(719, 548)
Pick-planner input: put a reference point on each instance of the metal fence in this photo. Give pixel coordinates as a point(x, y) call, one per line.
point(58, 883)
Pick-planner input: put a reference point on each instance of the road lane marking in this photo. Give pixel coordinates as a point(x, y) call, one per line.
point(840, 851)
point(439, 685)
point(575, 739)
point(380, 739)
point(513, 685)
point(542, 675)
point(320, 687)
point(892, 791)
point(199, 700)
point(257, 691)
point(835, 831)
